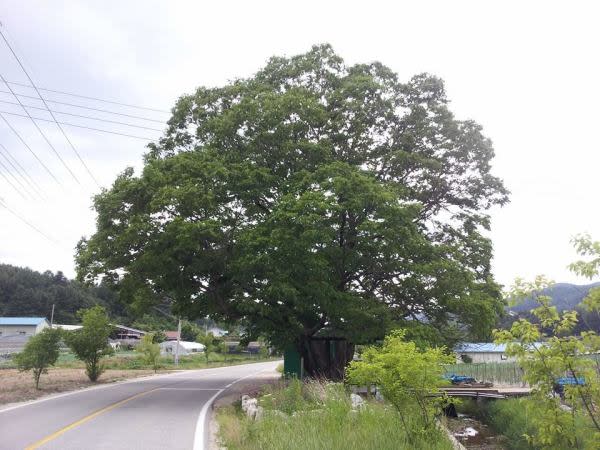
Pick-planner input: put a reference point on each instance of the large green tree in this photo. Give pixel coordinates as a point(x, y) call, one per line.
point(312, 198)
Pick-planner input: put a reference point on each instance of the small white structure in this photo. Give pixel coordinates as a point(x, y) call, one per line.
point(67, 327)
point(22, 326)
point(185, 348)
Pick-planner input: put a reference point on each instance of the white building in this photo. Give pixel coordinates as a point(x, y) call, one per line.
point(481, 352)
point(22, 326)
point(185, 348)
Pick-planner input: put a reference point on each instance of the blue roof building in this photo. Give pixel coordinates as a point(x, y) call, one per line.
point(21, 326)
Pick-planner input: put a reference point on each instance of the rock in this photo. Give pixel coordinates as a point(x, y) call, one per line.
point(248, 402)
point(260, 412)
point(357, 401)
point(251, 411)
point(378, 396)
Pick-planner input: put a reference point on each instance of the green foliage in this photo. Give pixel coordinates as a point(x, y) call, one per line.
point(150, 351)
point(323, 419)
point(189, 331)
point(561, 354)
point(24, 292)
point(90, 343)
point(407, 376)
point(210, 342)
point(40, 352)
point(313, 197)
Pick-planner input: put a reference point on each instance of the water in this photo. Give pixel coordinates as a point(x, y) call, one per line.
point(473, 434)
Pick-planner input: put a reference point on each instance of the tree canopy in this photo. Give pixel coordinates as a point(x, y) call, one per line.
point(312, 198)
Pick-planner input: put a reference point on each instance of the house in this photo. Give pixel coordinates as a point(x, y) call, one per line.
point(172, 335)
point(185, 348)
point(121, 332)
point(22, 326)
point(486, 352)
point(481, 352)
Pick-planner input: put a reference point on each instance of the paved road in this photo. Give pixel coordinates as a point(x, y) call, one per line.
point(162, 412)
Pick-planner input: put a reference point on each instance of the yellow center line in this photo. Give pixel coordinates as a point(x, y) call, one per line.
point(87, 418)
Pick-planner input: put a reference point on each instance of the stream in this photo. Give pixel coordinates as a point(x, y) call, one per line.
point(474, 434)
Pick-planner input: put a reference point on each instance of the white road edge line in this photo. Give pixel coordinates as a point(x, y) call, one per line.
point(199, 437)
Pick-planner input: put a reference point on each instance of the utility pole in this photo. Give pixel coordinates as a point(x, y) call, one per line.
point(52, 316)
point(178, 339)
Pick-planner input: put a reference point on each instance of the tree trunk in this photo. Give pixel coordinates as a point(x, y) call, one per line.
point(325, 357)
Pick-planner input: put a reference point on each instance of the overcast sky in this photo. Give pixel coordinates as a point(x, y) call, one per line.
point(527, 71)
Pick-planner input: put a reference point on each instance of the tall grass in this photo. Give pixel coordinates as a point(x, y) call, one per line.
point(319, 416)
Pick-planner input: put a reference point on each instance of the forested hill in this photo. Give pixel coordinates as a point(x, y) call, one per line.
point(24, 292)
point(564, 296)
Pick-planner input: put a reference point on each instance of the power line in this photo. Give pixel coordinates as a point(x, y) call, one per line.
point(25, 221)
point(13, 175)
point(27, 146)
point(41, 132)
point(88, 107)
point(81, 126)
point(83, 117)
point(90, 98)
point(47, 107)
point(10, 182)
point(20, 170)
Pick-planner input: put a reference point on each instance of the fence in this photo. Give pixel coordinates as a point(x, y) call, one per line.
point(508, 373)
point(498, 373)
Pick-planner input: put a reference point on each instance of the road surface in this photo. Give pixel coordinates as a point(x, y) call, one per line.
point(162, 412)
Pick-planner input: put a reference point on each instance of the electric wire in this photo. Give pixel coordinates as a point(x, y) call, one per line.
point(10, 182)
point(83, 116)
point(28, 147)
point(74, 105)
point(20, 170)
point(82, 126)
point(46, 105)
point(90, 98)
point(11, 173)
point(41, 132)
point(25, 221)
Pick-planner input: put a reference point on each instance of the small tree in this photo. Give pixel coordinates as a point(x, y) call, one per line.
point(40, 352)
point(224, 349)
point(209, 342)
point(90, 343)
point(408, 376)
point(150, 351)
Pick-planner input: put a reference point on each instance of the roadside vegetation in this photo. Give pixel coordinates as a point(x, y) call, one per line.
point(308, 416)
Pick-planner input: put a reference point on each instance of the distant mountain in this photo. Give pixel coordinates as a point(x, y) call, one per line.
point(564, 296)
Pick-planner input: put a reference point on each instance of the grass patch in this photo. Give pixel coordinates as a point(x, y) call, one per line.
point(511, 419)
point(132, 360)
point(319, 416)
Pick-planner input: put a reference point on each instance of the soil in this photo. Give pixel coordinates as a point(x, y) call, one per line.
point(484, 439)
point(18, 386)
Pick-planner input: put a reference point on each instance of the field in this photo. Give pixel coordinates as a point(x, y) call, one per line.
point(69, 373)
point(18, 386)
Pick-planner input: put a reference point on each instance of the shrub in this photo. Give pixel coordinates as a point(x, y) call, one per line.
point(150, 351)
point(90, 343)
point(409, 377)
point(40, 352)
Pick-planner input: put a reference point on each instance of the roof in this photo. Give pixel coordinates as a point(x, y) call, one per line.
point(184, 344)
point(484, 347)
point(480, 347)
point(33, 321)
point(171, 335)
point(68, 327)
point(123, 327)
